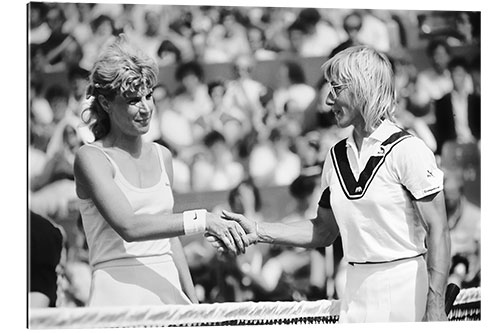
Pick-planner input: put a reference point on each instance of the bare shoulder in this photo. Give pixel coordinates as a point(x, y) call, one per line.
point(90, 158)
point(167, 161)
point(166, 153)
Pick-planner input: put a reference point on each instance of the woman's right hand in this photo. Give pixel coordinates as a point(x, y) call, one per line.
point(230, 233)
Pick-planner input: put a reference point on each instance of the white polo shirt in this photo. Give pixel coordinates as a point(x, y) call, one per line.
point(370, 194)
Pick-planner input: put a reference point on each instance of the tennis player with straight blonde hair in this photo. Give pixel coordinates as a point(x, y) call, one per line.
point(382, 191)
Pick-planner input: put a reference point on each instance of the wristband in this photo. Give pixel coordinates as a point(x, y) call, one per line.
point(194, 221)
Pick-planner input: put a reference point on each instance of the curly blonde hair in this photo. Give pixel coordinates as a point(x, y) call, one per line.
point(370, 80)
point(121, 69)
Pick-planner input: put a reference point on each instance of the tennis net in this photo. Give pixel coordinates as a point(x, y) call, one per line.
point(467, 306)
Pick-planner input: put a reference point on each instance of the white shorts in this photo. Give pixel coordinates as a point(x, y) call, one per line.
point(133, 282)
point(387, 292)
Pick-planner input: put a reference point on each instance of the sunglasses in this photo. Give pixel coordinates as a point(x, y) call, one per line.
point(336, 89)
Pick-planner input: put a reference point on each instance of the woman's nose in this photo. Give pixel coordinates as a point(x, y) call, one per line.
point(144, 105)
point(330, 99)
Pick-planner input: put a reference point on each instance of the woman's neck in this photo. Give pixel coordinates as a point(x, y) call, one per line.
point(359, 134)
point(129, 144)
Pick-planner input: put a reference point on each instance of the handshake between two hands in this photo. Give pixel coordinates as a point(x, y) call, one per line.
point(230, 232)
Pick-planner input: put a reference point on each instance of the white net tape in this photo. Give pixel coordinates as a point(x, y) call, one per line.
point(245, 313)
point(181, 315)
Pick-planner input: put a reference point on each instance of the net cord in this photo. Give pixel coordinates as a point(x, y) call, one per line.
point(206, 314)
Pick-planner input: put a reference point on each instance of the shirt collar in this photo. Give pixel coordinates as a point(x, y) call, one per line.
point(385, 130)
point(381, 133)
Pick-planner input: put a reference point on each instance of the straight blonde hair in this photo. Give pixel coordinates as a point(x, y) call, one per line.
point(370, 80)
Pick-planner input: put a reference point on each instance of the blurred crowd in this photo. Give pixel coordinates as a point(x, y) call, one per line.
point(239, 135)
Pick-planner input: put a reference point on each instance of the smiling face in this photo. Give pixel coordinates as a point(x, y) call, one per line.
point(340, 102)
point(131, 113)
point(361, 88)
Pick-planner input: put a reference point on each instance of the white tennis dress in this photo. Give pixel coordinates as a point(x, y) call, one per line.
point(132, 273)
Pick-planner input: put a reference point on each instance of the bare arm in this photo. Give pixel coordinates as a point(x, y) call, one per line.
point(94, 180)
point(317, 232)
point(183, 269)
point(433, 214)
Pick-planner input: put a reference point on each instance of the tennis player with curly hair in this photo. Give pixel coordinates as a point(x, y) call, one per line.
point(125, 190)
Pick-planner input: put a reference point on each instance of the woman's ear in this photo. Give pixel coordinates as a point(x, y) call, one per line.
point(103, 102)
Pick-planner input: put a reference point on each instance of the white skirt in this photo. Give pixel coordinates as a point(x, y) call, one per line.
point(388, 292)
point(134, 282)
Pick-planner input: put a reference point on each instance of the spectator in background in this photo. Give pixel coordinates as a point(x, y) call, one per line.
point(151, 39)
point(466, 33)
point(320, 37)
point(169, 129)
point(275, 22)
point(244, 92)
point(40, 126)
point(181, 35)
point(175, 129)
point(353, 22)
point(46, 241)
point(296, 33)
point(458, 113)
point(192, 101)
point(60, 163)
point(168, 53)
point(244, 197)
point(224, 118)
point(37, 157)
point(271, 161)
point(39, 29)
point(405, 74)
point(59, 98)
point(464, 220)
point(215, 169)
point(308, 148)
point(53, 47)
point(464, 217)
point(52, 190)
point(78, 24)
point(78, 81)
point(72, 55)
point(228, 39)
point(293, 94)
point(39, 106)
point(258, 44)
point(111, 10)
point(306, 193)
point(434, 82)
point(103, 32)
point(374, 31)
